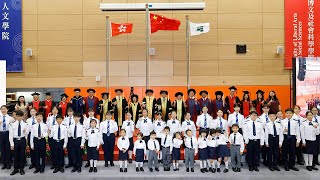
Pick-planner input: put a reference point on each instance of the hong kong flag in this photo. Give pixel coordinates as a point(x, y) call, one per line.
point(121, 28)
point(159, 22)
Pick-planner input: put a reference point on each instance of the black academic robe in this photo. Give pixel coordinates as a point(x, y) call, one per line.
point(230, 102)
point(101, 112)
point(154, 110)
point(165, 117)
point(138, 112)
point(124, 109)
point(175, 108)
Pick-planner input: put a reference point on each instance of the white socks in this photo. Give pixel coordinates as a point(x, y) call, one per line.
point(308, 158)
point(130, 154)
point(94, 163)
point(121, 163)
point(218, 164)
point(203, 164)
point(125, 164)
point(226, 164)
point(138, 164)
point(91, 163)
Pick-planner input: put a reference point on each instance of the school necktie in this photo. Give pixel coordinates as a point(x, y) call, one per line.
point(122, 138)
point(33, 122)
point(59, 133)
point(274, 129)
point(173, 122)
point(19, 129)
point(165, 140)
point(254, 129)
point(267, 119)
point(237, 119)
point(140, 141)
point(54, 121)
point(188, 123)
point(155, 146)
point(289, 131)
point(316, 119)
point(128, 124)
point(145, 121)
point(191, 143)
point(310, 124)
point(4, 124)
point(220, 124)
point(108, 129)
point(159, 124)
point(234, 139)
point(205, 121)
point(39, 131)
point(69, 121)
point(75, 131)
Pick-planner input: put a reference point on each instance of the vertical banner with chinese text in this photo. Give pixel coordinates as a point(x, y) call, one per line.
point(11, 36)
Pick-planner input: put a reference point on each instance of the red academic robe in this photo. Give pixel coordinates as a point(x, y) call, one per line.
point(63, 106)
point(35, 104)
point(49, 104)
point(245, 108)
point(258, 105)
point(95, 105)
point(207, 102)
point(230, 102)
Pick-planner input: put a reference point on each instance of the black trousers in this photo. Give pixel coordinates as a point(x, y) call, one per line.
point(70, 151)
point(76, 152)
point(316, 153)
point(299, 152)
point(289, 150)
point(19, 153)
point(39, 152)
point(32, 154)
point(253, 152)
point(5, 148)
point(58, 153)
point(52, 152)
point(108, 147)
point(273, 150)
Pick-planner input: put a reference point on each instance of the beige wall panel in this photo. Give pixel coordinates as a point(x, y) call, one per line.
point(269, 52)
point(30, 38)
point(59, 22)
point(163, 52)
point(94, 68)
point(240, 67)
point(53, 82)
point(211, 37)
point(34, 56)
point(180, 68)
point(160, 37)
point(180, 80)
point(274, 36)
point(98, 37)
point(211, 18)
point(240, 20)
point(240, 36)
point(99, 21)
point(162, 81)
point(53, 69)
point(274, 67)
point(59, 7)
point(137, 68)
point(137, 81)
point(91, 82)
point(229, 52)
point(30, 69)
point(60, 38)
point(204, 68)
point(197, 52)
point(30, 22)
point(273, 20)
point(92, 6)
point(29, 7)
point(273, 5)
point(98, 53)
point(232, 6)
point(60, 53)
point(161, 68)
point(119, 81)
point(137, 53)
point(119, 68)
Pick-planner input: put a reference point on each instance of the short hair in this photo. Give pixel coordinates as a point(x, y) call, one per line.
point(19, 113)
point(188, 130)
point(203, 131)
point(236, 105)
point(90, 110)
point(39, 114)
point(123, 130)
point(253, 112)
point(153, 133)
point(69, 109)
point(167, 128)
point(55, 107)
point(175, 134)
point(265, 106)
point(289, 110)
point(235, 125)
point(4, 106)
point(218, 130)
point(77, 115)
point(212, 131)
point(33, 108)
point(93, 120)
point(272, 112)
point(308, 112)
point(59, 117)
point(297, 106)
point(140, 134)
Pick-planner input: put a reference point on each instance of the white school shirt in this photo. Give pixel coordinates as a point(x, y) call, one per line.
point(93, 136)
point(34, 132)
point(239, 140)
point(81, 132)
point(222, 140)
point(187, 143)
point(51, 121)
point(13, 131)
point(168, 141)
point(31, 121)
point(300, 121)
point(232, 119)
point(128, 125)
point(86, 122)
point(63, 133)
point(202, 142)
point(112, 126)
point(189, 124)
point(309, 131)
point(175, 126)
point(269, 130)
point(123, 143)
point(8, 119)
point(316, 119)
point(211, 141)
point(201, 119)
point(224, 123)
point(264, 119)
point(139, 144)
point(176, 143)
point(67, 121)
point(145, 126)
point(151, 146)
point(158, 126)
point(294, 128)
point(248, 131)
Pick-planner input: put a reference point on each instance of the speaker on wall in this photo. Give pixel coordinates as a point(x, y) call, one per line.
point(241, 48)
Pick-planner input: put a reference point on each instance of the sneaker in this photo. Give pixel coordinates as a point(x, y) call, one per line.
point(276, 168)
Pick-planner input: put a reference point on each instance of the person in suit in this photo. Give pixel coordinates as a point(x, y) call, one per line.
point(231, 99)
point(192, 105)
point(47, 105)
point(135, 108)
point(104, 106)
point(149, 103)
point(91, 102)
point(164, 105)
point(120, 106)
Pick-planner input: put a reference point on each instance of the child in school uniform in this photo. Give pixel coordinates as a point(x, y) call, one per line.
point(59, 133)
point(31, 121)
point(158, 126)
point(154, 148)
point(204, 121)
point(123, 146)
point(316, 119)
point(93, 137)
point(5, 121)
point(174, 124)
point(236, 148)
point(76, 131)
point(18, 132)
point(128, 125)
point(296, 116)
point(191, 150)
point(220, 123)
point(310, 131)
point(68, 121)
point(139, 150)
point(176, 145)
point(264, 118)
point(212, 152)
point(279, 116)
point(236, 118)
point(51, 122)
point(188, 124)
point(222, 150)
point(145, 126)
point(39, 133)
point(166, 144)
point(273, 139)
point(203, 150)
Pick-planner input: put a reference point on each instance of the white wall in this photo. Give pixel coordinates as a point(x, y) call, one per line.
point(3, 82)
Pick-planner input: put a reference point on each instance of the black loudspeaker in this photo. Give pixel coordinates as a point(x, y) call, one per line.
point(241, 49)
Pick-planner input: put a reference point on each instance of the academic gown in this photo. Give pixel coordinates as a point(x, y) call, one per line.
point(63, 106)
point(153, 109)
point(230, 102)
point(91, 103)
point(103, 107)
point(36, 104)
point(50, 104)
point(168, 109)
point(137, 113)
point(183, 110)
point(258, 105)
point(207, 102)
point(123, 112)
point(77, 104)
point(245, 108)
point(193, 108)
point(218, 105)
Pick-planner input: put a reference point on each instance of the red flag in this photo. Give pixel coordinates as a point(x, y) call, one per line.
point(121, 28)
point(159, 22)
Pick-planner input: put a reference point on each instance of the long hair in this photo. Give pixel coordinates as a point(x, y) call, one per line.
point(24, 102)
point(244, 99)
point(274, 97)
point(262, 96)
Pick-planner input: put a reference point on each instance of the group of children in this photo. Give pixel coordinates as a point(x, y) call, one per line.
point(162, 141)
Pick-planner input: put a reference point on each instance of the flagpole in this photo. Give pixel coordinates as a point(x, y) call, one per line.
point(188, 50)
point(147, 46)
point(108, 54)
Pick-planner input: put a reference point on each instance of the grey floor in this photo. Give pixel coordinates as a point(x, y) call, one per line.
point(113, 173)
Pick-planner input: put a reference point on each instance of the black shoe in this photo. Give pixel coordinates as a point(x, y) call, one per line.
point(286, 168)
point(4, 167)
point(202, 170)
point(41, 171)
point(31, 167)
point(91, 169)
point(121, 170)
point(265, 163)
point(79, 170)
point(205, 169)
point(300, 163)
point(137, 169)
point(174, 169)
point(187, 170)
point(9, 166)
point(316, 163)
point(74, 169)
point(67, 166)
point(314, 168)
point(62, 170)
point(106, 164)
point(210, 169)
point(192, 170)
point(22, 172)
point(125, 170)
point(111, 163)
point(250, 168)
point(52, 167)
point(294, 168)
point(168, 169)
point(225, 170)
point(256, 168)
point(141, 169)
point(309, 168)
point(239, 170)
point(15, 171)
point(150, 169)
point(36, 171)
point(87, 165)
point(95, 169)
point(271, 168)
point(56, 170)
point(157, 169)
point(276, 168)
point(213, 170)
point(234, 169)
point(130, 161)
point(145, 161)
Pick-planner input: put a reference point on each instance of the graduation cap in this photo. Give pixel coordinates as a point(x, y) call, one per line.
point(134, 95)
point(232, 88)
point(149, 91)
point(89, 90)
point(218, 93)
point(117, 90)
point(178, 94)
point(48, 94)
point(104, 93)
point(191, 90)
point(164, 91)
point(260, 92)
point(35, 94)
point(204, 91)
point(246, 92)
point(77, 90)
point(64, 95)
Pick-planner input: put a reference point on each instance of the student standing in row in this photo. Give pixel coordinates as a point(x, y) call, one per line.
point(139, 150)
point(154, 148)
point(158, 126)
point(5, 121)
point(236, 148)
point(31, 121)
point(176, 146)
point(123, 146)
point(93, 137)
point(145, 126)
point(236, 118)
point(51, 122)
point(167, 147)
point(188, 124)
point(174, 124)
point(68, 121)
point(212, 151)
point(128, 125)
point(203, 151)
point(316, 119)
point(191, 150)
point(296, 116)
point(204, 120)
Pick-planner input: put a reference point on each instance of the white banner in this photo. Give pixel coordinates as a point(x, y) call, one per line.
point(3, 97)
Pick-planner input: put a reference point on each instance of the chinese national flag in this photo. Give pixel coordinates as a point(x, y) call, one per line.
point(159, 22)
point(121, 28)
